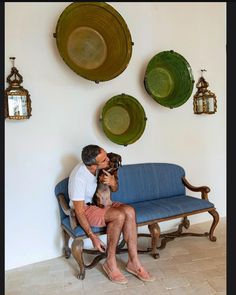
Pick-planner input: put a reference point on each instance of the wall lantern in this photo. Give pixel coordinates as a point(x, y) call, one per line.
point(17, 98)
point(204, 101)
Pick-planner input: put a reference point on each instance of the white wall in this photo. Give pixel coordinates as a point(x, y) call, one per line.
point(65, 109)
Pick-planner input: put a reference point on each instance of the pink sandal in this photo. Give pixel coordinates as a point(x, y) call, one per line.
point(114, 276)
point(142, 274)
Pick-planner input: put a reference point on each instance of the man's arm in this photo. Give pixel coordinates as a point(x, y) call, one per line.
point(83, 221)
point(114, 186)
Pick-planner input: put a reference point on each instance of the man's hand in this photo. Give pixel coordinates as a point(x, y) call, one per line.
point(97, 243)
point(109, 179)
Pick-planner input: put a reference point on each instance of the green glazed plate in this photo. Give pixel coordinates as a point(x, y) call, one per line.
point(93, 40)
point(123, 119)
point(169, 79)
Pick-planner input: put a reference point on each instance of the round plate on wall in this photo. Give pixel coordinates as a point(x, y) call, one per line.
point(123, 119)
point(93, 40)
point(169, 79)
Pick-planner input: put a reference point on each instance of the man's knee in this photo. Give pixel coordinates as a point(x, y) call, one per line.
point(119, 217)
point(130, 212)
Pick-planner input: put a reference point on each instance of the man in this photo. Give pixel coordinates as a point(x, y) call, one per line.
point(117, 217)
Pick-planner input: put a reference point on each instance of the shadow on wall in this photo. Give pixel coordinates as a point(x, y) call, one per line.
point(68, 163)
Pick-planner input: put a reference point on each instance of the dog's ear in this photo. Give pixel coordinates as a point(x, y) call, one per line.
point(120, 161)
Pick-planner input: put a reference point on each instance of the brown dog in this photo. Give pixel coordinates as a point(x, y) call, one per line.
point(102, 196)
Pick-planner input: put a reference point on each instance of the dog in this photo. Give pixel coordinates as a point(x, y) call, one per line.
point(102, 195)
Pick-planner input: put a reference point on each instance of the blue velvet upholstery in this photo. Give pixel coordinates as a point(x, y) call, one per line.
point(167, 207)
point(62, 188)
point(149, 181)
point(78, 231)
point(155, 190)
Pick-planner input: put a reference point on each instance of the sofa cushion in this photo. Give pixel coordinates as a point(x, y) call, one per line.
point(78, 231)
point(149, 181)
point(154, 209)
point(168, 207)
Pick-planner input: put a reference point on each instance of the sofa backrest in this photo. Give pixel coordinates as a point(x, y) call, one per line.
point(148, 181)
point(141, 182)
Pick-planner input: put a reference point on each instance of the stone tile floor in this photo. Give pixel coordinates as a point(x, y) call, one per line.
point(187, 266)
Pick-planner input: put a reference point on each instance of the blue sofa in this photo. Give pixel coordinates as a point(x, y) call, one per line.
point(157, 191)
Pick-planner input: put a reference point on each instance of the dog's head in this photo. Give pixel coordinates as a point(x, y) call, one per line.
point(114, 164)
point(115, 161)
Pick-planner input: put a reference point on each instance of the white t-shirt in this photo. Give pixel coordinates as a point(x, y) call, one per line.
point(82, 184)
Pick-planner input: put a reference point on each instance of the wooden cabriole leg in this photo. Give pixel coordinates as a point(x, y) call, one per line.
point(66, 248)
point(154, 230)
point(77, 252)
point(216, 218)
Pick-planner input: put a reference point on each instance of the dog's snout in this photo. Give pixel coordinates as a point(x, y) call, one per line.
point(117, 164)
point(115, 160)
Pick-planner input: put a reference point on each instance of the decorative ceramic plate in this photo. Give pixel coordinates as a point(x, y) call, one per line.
point(123, 119)
point(93, 40)
point(169, 79)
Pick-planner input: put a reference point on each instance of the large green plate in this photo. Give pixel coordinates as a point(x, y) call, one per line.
point(169, 79)
point(93, 40)
point(123, 119)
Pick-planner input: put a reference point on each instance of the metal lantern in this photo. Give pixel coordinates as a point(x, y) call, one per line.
point(17, 98)
point(204, 101)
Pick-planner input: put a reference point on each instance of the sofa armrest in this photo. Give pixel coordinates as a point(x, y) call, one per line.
point(203, 189)
point(68, 211)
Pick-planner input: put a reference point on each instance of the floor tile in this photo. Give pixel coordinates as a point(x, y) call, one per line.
point(188, 265)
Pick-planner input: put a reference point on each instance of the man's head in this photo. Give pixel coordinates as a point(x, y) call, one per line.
point(94, 155)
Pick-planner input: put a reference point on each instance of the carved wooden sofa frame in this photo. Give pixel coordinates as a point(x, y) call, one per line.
point(71, 228)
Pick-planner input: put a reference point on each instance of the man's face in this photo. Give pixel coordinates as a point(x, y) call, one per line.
point(102, 160)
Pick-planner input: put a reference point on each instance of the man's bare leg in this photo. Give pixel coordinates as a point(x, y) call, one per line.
point(114, 219)
point(130, 236)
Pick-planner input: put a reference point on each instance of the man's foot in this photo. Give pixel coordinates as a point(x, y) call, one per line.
point(114, 275)
point(141, 273)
